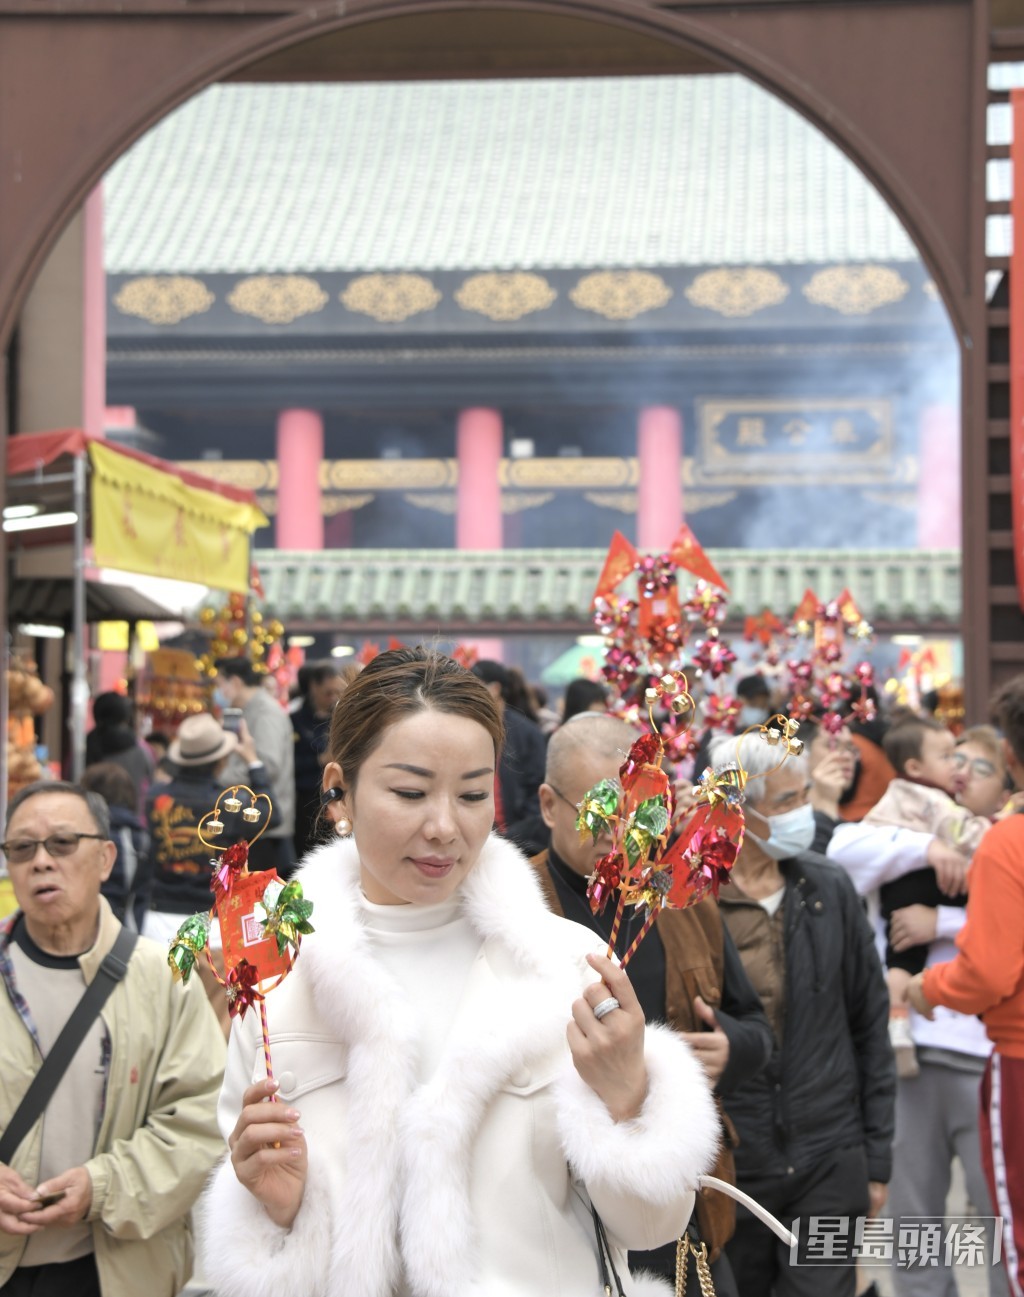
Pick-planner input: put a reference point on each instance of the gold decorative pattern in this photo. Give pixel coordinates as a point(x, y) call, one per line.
point(387, 474)
point(164, 299)
point(334, 504)
point(525, 500)
point(438, 501)
point(249, 474)
point(505, 296)
point(856, 290)
point(569, 472)
point(277, 299)
point(621, 294)
point(390, 299)
point(736, 293)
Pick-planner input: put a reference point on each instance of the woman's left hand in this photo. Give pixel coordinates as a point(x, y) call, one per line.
point(609, 1052)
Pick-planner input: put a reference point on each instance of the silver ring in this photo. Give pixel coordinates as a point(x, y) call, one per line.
point(603, 1009)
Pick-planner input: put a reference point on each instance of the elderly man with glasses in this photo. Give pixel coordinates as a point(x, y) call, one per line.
point(95, 1196)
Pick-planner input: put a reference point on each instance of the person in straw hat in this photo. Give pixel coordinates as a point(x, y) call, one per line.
point(180, 864)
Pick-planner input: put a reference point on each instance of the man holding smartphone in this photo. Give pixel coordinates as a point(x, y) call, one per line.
point(100, 1171)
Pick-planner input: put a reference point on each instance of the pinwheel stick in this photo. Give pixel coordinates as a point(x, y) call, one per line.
point(616, 924)
point(648, 924)
point(266, 1046)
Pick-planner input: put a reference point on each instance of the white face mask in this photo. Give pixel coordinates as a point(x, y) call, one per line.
point(750, 715)
point(791, 833)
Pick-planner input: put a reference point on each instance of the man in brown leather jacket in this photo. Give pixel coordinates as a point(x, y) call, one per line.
point(686, 972)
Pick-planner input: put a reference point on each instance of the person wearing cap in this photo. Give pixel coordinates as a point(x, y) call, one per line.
point(180, 865)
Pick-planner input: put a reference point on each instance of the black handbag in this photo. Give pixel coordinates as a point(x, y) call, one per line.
point(690, 1244)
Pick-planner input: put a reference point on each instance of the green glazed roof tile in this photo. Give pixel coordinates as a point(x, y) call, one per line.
point(434, 176)
point(534, 590)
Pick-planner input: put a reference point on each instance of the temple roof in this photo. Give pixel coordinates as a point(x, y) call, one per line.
point(496, 175)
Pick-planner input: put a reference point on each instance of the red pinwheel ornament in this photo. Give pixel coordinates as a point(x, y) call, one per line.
point(261, 918)
point(647, 866)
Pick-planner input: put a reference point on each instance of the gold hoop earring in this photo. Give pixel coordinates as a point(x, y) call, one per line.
point(343, 827)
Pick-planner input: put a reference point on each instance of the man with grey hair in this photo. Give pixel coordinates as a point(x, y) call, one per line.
point(686, 972)
point(96, 1191)
point(816, 1126)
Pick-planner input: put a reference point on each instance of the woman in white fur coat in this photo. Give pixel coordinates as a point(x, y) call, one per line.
point(450, 1106)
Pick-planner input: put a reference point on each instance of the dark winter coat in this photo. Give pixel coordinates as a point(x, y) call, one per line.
point(832, 1083)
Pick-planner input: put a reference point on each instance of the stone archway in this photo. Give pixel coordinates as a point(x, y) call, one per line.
point(900, 88)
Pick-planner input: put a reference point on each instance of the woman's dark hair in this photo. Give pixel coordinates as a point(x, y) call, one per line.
point(113, 783)
point(581, 695)
point(400, 683)
point(518, 695)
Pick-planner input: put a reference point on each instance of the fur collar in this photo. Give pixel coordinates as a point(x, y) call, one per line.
point(418, 1140)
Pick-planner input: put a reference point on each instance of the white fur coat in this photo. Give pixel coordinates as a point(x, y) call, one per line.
point(475, 1183)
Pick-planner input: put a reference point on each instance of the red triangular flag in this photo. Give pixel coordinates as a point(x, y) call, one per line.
point(807, 608)
point(848, 609)
point(620, 560)
point(686, 552)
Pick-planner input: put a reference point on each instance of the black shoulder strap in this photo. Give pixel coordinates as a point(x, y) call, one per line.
point(65, 1047)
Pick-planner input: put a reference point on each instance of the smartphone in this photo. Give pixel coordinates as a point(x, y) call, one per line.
point(231, 719)
point(48, 1199)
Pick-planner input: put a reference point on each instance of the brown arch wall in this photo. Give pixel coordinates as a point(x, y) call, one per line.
point(899, 86)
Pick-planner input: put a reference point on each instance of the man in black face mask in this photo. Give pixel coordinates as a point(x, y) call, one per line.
point(816, 1125)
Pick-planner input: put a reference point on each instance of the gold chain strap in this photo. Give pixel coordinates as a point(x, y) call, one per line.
point(684, 1248)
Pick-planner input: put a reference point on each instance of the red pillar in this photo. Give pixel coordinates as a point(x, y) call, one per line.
point(94, 310)
point(300, 451)
point(478, 446)
point(479, 438)
point(938, 478)
point(660, 494)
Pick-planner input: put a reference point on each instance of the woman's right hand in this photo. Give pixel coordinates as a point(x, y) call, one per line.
point(276, 1176)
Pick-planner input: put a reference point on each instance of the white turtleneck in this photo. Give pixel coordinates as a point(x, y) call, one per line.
point(428, 950)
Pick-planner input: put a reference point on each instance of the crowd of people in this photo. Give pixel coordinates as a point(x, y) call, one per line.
point(469, 1097)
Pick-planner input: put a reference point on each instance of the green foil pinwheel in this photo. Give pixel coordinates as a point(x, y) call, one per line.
point(599, 809)
point(188, 945)
point(287, 915)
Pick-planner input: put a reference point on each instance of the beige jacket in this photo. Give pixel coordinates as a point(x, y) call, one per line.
point(477, 1182)
point(906, 805)
point(158, 1137)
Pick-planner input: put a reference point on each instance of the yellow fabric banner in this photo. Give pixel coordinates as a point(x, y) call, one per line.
point(144, 520)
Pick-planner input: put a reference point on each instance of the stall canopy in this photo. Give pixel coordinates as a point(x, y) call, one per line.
point(145, 515)
point(78, 504)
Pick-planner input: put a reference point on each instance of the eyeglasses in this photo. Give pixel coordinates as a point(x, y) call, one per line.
point(978, 765)
point(23, 850)
point(562, 797)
